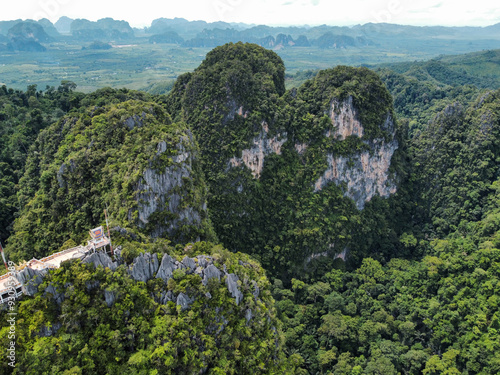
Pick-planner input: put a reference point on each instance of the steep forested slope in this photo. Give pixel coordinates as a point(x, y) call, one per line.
point(129, 156)
point(22, 116)
point(290, 173)
point(437, 315)
point(301, 180)
point(202, 310)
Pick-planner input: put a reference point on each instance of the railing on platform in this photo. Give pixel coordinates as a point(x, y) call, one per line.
point(39, 264)
point(5, 293)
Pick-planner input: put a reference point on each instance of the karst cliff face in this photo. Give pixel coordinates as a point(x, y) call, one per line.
point(128, 158)
point(365, 174)
point(289, 172)
point(168, 199)
point(253, 158)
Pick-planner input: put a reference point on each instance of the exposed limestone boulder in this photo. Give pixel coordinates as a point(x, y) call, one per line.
point(144, 267)
point(184, 301)
point(203, 260)
point(256, 289)
point(31, 279)
point(100, 259)
point(135, 120)
point(109, 297)
point(92, 284)
point(209, 273)
point(232, 285)
point(248, 315)
point(58, 297)
point(189, 263)
point(166, 268)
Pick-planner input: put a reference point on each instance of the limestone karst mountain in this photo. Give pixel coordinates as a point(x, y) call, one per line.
point(268, 154)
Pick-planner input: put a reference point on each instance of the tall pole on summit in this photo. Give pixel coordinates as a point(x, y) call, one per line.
point(107, 226)
point(3, 256)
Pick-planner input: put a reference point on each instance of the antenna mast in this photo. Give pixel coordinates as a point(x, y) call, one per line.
point(107, 226)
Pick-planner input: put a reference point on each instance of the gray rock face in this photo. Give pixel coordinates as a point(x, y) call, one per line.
point(135, 120)
point(92, 285)
point(203, 260)
point(209, 273)
point(143, 267)
point(232, 285)
point(184, 301)
point(167, 268)
point(189, 263)
point(100, 259)
point(256, 290)
point(58, 297)
point(164, 192)
point(248, 315)
point(262, 146)
point(365, 174)
point(31, 279)
point(109, 297)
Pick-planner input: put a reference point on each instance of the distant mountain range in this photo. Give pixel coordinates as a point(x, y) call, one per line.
point(31, 34)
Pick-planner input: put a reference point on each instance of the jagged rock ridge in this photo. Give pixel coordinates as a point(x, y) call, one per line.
point(144, 268)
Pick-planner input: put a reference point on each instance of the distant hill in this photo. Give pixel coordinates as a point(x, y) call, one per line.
point(63, 25)
point(49, 28)
point(27, 36)
point(187, 29)
point(103, 29)
point(6, 25)
point(480, 69)
point(29, 30)
point(167, 37)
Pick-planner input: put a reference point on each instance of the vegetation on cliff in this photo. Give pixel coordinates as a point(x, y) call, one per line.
point(418, 293)
point(236, 104)
point(99, 321)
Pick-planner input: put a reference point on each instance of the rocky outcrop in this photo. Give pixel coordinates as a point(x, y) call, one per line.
point(109, 297)
point(345, 119)
point(100, 259)
point(184, 301)
point(163, 193)
point(262, 146)
point(232, 285)
point(58, 296)
point(49, 330)
point(135, 121)
point(31, 279)
point(144, 267)
point(300, 148)
point(167, 268)
point(211, 272)
point(363, 174)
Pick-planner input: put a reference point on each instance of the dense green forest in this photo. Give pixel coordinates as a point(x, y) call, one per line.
point(360, 213)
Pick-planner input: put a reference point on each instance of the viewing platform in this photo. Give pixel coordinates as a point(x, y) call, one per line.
point(9, 284)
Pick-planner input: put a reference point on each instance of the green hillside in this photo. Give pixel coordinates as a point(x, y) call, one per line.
point(360, 212)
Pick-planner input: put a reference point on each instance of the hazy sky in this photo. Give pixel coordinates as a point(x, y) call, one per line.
point(272, 12)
